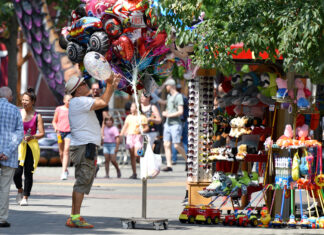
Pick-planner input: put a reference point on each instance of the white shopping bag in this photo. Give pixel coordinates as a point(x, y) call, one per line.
point(151, 163)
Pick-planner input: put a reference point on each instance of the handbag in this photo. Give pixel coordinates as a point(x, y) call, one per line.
point(295, 167)
point(303, 168)
point(91, 150)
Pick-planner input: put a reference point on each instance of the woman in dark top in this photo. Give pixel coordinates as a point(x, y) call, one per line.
point(153, 117)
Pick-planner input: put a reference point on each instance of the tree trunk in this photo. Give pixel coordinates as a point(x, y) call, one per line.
point(11, 45)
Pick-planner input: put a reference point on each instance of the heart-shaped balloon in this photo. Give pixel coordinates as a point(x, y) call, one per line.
point(97, 66)
point(123, 48)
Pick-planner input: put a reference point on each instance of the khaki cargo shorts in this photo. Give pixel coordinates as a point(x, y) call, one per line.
point(84, 169)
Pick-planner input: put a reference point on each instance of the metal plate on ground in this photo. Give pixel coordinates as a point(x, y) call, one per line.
point(158, 223)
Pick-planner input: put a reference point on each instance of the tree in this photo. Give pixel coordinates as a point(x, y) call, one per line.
point(294, 27)
point(9, 18)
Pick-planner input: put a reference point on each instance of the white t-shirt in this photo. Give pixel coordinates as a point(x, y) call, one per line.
point(84, 124)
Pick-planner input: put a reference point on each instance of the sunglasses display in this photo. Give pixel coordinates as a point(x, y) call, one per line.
point(200, 128)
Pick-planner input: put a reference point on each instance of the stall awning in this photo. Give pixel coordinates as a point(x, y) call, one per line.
point(249, 55)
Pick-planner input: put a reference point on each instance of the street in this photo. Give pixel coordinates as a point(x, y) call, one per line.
point(109, 200)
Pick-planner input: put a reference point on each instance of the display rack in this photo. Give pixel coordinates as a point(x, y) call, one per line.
point(200, 132)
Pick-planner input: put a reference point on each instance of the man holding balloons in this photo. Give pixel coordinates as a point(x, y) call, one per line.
point(84, 136)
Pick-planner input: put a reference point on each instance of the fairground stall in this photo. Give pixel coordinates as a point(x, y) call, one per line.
point(251, 147)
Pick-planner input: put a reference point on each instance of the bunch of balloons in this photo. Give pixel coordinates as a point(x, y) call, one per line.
point(120, 33)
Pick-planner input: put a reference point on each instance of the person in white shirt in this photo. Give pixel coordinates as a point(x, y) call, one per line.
point(85, 137)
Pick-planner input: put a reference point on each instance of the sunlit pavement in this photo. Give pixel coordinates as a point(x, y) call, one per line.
point(109, 200)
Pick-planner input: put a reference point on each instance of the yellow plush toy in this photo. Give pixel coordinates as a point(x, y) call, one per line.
point(241, 152)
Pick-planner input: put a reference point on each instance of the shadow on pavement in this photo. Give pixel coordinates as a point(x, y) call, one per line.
point(42, 222)
point(38, 222)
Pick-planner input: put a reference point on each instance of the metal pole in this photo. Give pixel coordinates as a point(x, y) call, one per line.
point(144, 197)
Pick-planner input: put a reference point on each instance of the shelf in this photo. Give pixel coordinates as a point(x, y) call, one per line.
point(256, 158)
point(261, 131)
point(247, 158)
point(275, 146)
point(279, 100)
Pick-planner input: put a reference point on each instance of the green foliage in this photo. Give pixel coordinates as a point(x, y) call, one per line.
point(294, 27)
point(65, 7)
point(6, 10)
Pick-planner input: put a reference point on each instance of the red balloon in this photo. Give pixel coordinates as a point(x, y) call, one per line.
point(123, 48)
point(141, 46)
point(109, 55)
point(158, 40)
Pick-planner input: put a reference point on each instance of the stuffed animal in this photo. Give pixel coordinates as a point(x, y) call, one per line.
point(236, 83)
point(241, 152)
point(282, 91)
point(267, 88)
point(249, 96)
point(286, 139)
point(302, 133)
point(302, 102)
point(265, 217)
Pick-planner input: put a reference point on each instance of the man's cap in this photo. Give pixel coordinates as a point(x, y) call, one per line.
point(72, 84)
point(170, 82)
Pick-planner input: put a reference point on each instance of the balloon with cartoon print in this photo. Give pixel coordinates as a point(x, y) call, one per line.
point(97, 66)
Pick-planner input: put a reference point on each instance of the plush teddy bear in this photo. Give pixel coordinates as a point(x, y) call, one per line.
point(302, 102)
point(282, 91)
point(241, 152)
point(267, 88)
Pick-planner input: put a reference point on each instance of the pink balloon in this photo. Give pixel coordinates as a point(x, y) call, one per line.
point(90, 7)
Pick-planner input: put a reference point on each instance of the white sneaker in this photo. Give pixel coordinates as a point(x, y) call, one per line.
point(24, 202)
point(19, 197)
point(64, 175)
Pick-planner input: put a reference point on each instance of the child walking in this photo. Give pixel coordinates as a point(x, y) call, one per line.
point(134, 139)
point(111, 140)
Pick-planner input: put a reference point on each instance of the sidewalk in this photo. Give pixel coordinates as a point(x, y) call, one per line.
point(110, 200)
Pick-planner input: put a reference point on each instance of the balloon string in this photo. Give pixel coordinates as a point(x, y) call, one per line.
point(134, 81)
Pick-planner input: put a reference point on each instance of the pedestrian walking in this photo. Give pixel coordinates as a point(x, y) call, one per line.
point(62, 128)
point(134, 139)
point(111, 141)
point(29, 151)
point(173, 126)
point(153, 117)
point(85, 137)
point(11, 134)
point(184, 121)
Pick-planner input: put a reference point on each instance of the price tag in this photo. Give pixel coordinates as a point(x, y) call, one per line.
point(271, 107)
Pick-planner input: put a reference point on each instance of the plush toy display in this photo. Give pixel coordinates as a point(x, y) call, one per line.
point(282, 91)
